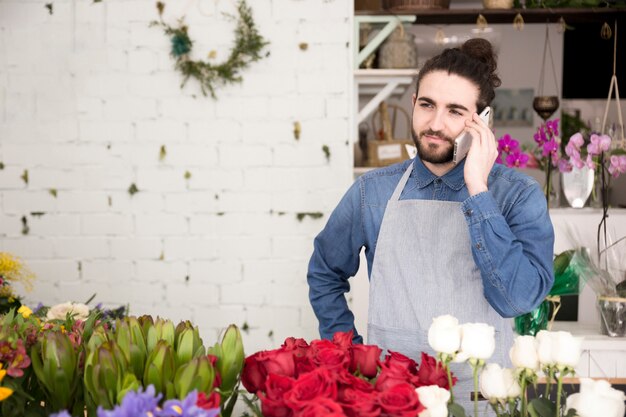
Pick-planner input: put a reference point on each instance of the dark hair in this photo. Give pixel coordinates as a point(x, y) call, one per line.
point(474, 60)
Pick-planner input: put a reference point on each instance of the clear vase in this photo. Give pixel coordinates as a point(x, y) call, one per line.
point(577, 185)
point(550, 188)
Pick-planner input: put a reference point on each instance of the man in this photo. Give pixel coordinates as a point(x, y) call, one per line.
point(472, 239)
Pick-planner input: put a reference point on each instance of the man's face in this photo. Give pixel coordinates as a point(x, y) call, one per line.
point(442, 104)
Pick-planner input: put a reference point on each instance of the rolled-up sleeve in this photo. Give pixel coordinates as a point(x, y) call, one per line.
point(514, 253)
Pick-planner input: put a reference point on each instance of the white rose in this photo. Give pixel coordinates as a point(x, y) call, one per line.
point(435, 399)
point(558, 348)
point(497, 384)
point(566, 349)
point(523, 354)
point(444, 334)
point(478, 340)
point(544, 347)
point(59, 312)
point(596, 399)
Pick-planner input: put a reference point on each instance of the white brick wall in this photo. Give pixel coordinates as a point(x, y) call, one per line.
point(87, 99)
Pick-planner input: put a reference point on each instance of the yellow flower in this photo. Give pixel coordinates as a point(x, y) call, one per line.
point(12, 269)
point(4, 392)
point(25, 311)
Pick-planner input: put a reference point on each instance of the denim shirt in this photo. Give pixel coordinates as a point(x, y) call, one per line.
point(511, 234)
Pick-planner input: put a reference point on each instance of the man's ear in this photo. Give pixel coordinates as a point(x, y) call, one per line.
point(413, 98)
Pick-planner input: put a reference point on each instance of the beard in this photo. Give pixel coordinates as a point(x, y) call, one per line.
point(431, 152)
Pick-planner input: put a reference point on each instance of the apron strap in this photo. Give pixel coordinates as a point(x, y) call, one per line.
point(405, 178)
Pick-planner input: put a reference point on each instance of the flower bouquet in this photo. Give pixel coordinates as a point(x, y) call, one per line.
point(338, 378)
point(12, 270)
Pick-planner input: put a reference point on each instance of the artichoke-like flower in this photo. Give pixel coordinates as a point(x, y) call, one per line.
point(197, 374)
point(130, 338)
point(188, 343)
point(97, 338)
point(160, 369)
point(106, 368)
point(230, 358)
point(161, 330)
point(55, 362)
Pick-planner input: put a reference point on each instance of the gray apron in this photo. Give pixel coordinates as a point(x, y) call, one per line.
point(423, 268)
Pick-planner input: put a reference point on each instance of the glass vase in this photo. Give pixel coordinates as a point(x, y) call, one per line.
point(577, 186)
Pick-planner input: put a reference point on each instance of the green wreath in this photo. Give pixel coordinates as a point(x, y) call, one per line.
point(248, 48)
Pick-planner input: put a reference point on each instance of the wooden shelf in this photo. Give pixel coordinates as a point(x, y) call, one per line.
point(543, 15)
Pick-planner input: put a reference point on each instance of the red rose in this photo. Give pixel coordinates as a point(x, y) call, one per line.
point(254, 374)
point(297, 346)
point(217, 379)
point(319, 383)
point(304, 365)
point(208, 403)
point(400, 401)
point(395, 358)
point(273, 401)
point(343, 339)
point(347, 381)
point(365, 360)
point(360, 403)
point(278, 361)
point(393, 375)
point(321, 407)
point(325, 353)
point(432, 372)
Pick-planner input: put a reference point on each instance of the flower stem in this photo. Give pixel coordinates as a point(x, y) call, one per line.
point(523, 385)
point(475, 365)
point(559, 385)
point(550, 374)
point(445, 359)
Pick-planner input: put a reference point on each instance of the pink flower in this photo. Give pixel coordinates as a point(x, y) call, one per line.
point(618, 165)
point(517, 159)
point(599, 144)
point(577, 140)
point(590, 162)
point(565, 165)
point(553, 127)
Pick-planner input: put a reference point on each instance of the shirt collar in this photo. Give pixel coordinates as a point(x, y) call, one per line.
point(454, 178)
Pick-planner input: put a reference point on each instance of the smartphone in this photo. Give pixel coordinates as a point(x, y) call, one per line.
point(463, 142)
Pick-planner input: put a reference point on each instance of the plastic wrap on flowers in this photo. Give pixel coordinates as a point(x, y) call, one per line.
point(530, 324)
point(566, 282)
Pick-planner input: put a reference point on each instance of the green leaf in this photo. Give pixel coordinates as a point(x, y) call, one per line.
point(162, 153)
point(53, 192)
point(132, 190)
point(541, 407)
point(456, 410)
point(24, 176)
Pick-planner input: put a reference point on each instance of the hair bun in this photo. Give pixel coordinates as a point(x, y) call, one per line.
point(482, 50)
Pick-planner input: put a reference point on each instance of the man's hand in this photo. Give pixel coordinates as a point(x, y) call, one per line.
point(481, 156)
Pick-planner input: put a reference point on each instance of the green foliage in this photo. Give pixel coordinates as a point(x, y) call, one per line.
point(132, 190)
point(313, 215)
point(248, 48)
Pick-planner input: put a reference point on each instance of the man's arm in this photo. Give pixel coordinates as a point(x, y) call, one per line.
point(514, 255)
point(335, 259)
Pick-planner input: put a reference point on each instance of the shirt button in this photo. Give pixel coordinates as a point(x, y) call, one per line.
point(469, 212)
point(479, 246)
point(437, 180)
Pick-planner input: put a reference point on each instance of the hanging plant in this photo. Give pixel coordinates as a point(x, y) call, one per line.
point(248, 48)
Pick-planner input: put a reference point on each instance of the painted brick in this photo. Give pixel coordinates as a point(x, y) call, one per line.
point(142, 61)
point(45, 178)
point(191, 202)
point(80, 201)
point(190, 248)
point(10, 225)
point(292, 247)
point(192, 293)
point(201, 155)
point(106, 224)
point(161, 179)
point(207, 179)
point(161, 271)
point(107, 272)
point(53, 224)
point(81, 248)
point(244, 202)
point(217, 271)
point(29, 247)
point(141, 202)
point(219, 317)
point(135, 248)
point(17, 202)
point(54, 270)
point(281, 271)
point(235, 156)
point(244, 247)
point(161, 224)
point(215, 131)
point(98, 131)
point(254, 108)
point(10, 178)
point(128, 108)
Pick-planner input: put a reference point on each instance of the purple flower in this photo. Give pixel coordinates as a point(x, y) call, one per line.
point(517, 159)
point(553, 127)
point(185, 408)
point(540, 136)
point(577, 140)
point(507, 144)
point(550, 147)
point(599, 144)
point(134, 404)
point(618, 165)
